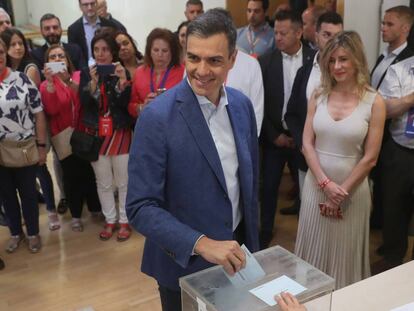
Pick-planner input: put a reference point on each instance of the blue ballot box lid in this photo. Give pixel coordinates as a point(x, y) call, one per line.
point(211, 289)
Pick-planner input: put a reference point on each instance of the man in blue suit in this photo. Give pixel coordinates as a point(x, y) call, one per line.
point(193, 167)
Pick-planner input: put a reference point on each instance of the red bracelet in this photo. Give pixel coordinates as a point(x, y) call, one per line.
point(324, 183)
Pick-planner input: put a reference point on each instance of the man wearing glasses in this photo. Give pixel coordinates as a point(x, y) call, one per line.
point(83, 30)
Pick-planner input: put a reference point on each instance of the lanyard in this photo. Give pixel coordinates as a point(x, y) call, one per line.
point(256, 41)
point(4, 74)
point(163, 81)
point(104, 100)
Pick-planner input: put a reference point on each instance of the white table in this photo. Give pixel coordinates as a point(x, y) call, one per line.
point(382, 292)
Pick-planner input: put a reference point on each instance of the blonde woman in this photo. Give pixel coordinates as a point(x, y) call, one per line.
point(341, 142)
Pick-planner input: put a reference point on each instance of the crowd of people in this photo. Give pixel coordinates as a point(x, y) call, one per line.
point(167, 142)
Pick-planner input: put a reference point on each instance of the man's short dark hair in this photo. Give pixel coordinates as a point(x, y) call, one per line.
point(293, 16)
point(265, 3)
point(194, 2)
point(47, 17)
point(214, 22)
point(329, 18)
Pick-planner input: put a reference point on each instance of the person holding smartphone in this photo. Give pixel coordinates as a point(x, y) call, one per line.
point(162, 69)
point(105, 90)
point(60, 97)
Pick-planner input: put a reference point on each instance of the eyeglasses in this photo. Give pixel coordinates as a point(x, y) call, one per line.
point(85, 5)
point(57, 56)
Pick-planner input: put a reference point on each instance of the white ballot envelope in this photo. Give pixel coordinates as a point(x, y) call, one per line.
point(269, 290)
point(250, 274)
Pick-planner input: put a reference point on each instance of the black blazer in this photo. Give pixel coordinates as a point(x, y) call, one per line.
point(76, 34)
point(74, 51)
point(297, 109)
point(272, 71)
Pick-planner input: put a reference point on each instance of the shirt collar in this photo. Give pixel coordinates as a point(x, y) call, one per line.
point(202, 100)
point(298, 53)
point(85, 21)
point(396, 51)
point(263, 27)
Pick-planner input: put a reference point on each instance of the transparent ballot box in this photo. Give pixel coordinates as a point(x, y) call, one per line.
point(211, 289)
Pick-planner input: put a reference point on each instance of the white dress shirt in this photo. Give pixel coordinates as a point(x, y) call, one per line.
point(384, 64)
point(291, 64)
point(398, 82)
point(219, 124)
point(314, 80)
point(246, 76)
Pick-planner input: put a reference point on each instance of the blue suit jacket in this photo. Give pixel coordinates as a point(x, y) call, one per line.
point(176, 188)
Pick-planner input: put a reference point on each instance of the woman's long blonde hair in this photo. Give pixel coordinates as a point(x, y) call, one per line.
point(351, 42)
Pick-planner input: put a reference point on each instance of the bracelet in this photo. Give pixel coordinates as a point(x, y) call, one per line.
point(324, 183)
point(40, 145)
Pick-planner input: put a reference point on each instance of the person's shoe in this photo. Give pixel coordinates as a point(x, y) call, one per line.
point(107, 232)
point(383, 265)
point(54, 223)
point(34, 243)
point(62, 206)
point(14, 242)
point(124, 233)
point(291, 210)
point(76, 225)
point(2, 265)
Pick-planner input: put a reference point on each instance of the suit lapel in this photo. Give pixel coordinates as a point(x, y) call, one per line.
point(190, 110)
point(243, 155)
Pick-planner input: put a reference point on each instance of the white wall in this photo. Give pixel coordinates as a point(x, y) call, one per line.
point(365, 17)
point(138, 16)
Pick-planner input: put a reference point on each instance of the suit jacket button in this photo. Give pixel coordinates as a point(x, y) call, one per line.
point(227, 224)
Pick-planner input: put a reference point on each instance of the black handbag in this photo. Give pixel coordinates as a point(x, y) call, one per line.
point(86, 146)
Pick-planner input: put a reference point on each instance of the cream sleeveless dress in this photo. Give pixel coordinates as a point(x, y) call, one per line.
point(340, 248)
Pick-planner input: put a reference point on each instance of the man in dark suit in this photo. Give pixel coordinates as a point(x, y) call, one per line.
point(279, 69)
point(394, 32)
point(306, 81)
point(192, 187)
point(51, 30)
point(391, 198)
point(83, 30)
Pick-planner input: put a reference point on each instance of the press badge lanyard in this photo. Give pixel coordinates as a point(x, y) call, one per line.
point(163, 81)
point(256, 41)
point(105, 126)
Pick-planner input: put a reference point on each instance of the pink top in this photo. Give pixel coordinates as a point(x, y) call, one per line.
point(62, 107)
point(141, 85)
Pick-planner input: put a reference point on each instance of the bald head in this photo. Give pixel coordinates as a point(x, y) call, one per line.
point(309, 18)
point(5, 21)
point(102, 8)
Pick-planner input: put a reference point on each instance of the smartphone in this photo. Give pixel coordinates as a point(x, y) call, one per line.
point(105, 70)
point(56, 67)
point(160, 91)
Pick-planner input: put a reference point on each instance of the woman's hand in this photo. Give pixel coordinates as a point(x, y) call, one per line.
point(42, 155)
point(120, 72)
point(64, 76)
point(335, 193)
point(94, 74)
point(330, 209)
point(48, 73)
point(288, 302)
point(149, 97)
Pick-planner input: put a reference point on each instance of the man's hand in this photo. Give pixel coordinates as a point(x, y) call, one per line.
point(225, 253)
point(284, 141)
